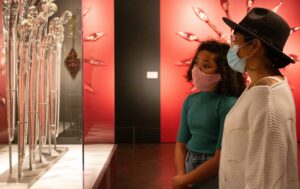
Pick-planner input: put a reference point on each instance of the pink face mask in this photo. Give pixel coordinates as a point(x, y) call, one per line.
point(205, 82)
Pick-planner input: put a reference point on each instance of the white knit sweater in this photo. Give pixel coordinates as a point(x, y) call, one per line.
point(259, 148)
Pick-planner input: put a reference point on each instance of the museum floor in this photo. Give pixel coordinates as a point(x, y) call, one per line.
point(146, 166)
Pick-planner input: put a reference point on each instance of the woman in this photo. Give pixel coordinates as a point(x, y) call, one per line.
point(198, 146)
point(259, 148)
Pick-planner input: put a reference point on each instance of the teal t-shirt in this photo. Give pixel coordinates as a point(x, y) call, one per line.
point(202, 121)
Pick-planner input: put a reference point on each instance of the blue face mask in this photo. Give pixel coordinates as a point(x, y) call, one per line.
point(236, 63)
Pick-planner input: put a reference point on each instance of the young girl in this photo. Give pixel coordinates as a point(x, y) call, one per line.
point(197, 151)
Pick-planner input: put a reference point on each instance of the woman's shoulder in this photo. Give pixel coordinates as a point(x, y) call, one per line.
point(264, 89)
point(269, 96)
point(268, 83)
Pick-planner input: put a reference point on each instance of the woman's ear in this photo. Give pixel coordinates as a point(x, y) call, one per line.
point(256, 45)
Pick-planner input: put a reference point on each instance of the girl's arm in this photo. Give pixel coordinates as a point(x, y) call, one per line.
point(206, 170)
point(180, 154)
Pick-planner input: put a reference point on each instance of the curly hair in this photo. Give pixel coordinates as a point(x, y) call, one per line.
point(232, 83)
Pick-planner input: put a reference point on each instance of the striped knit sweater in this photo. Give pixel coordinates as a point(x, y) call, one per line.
point(259, 148)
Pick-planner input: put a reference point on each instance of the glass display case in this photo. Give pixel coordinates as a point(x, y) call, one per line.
point(47, 140)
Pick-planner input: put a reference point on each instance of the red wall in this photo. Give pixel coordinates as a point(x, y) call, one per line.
point(178, 15)
point(99, 104)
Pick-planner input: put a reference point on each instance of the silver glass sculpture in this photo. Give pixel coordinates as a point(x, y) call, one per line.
point(32, 51)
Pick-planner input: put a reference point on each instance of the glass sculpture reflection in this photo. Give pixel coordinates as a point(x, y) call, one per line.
point(32, 53)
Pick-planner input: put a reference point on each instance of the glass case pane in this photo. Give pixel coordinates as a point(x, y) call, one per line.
point(41, 123)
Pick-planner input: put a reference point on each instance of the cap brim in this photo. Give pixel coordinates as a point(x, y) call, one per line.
point(235, 26)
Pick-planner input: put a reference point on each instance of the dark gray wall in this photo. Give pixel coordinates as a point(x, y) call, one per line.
point(137, 50)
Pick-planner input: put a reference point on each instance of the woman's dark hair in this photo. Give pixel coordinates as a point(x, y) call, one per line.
point(271, 54)
point(232, 82)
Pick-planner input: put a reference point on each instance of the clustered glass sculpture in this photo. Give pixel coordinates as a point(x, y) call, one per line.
point(32, 51)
